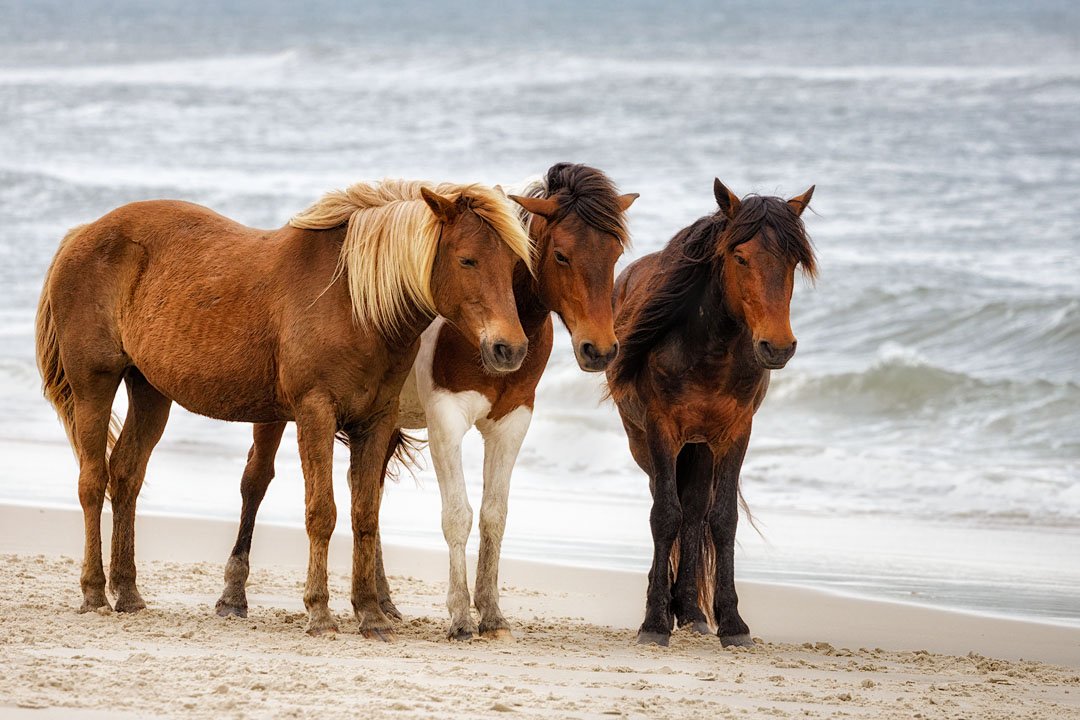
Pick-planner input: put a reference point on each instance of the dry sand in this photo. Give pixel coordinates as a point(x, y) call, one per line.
point(574, 657)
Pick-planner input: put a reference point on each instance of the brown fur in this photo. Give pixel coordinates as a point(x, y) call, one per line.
point(702, 323)
point(575, 214)
point(248, 325)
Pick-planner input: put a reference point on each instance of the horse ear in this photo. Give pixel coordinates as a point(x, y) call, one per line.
point(728, 201)
point(625, 201)
point(800, 202)
point(544, 207)
point(444, 208)
point(499, 189)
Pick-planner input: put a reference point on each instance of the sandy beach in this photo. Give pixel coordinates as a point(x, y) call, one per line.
point(819, 655)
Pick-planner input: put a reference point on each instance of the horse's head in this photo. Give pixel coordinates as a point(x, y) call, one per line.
point(472, 282)
point(762, 242)
point(580, 235)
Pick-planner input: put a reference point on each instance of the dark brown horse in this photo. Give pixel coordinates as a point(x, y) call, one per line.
point(316, 322)
point(576, 221)
point(701, 324)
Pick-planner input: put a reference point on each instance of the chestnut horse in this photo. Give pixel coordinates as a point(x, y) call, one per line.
point(575, 219)
point(316, 322)
point(702, 323)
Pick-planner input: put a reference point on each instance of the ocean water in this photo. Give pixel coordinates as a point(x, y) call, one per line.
point(924, 444)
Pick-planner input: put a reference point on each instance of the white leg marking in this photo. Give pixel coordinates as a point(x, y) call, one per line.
point(449, 416)
point(502, 441)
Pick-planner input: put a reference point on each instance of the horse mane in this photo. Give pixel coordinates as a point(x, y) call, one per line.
point(392, 238)
point(582, 190)
point(694, 258)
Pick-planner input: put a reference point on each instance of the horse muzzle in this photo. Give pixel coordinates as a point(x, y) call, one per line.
point(594, 359)
point(501, 357)
point(774, 357)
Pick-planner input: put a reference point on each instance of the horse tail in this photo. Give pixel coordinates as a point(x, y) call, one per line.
point(54, 381)
point(404, 451)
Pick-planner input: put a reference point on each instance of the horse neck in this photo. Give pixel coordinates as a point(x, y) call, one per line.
point(321, 249)
point(532, 311)
point(710, 325)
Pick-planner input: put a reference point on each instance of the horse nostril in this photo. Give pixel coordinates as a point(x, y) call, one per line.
point(589, 351)
point(765, 348)
point(502, 353)
point(614, 351)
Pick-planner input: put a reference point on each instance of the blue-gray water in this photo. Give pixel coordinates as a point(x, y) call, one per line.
point(938, 374)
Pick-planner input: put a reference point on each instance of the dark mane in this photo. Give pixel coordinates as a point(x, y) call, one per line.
point(685, 266)
point(693, 258)
point(590, 194)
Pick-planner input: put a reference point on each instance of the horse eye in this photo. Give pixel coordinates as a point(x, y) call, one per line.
point(468, 262)
point(742, 261)
point(561, 259)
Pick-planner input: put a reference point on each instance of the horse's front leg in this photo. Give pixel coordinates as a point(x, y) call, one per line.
point(502, 441)
point(315, 427)
point(259, 471)
point(367, 468)
point(723, 520)
point(665, 521)
point(447, 425)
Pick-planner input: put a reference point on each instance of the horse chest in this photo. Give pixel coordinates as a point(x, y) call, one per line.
point(709, 402)
point(446, 362)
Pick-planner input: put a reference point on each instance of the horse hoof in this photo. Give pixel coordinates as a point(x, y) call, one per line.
point(130, 605)
point(653, 638)
point(498, 634)
point(226, 610)
point(460, 635)
point(700, 628)
point(320, 629)
point(95, 607)
point(743, 640)
point(381, 634)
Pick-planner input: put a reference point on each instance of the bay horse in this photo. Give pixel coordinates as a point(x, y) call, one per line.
point(316, 322)
point(702, 323)
point(575, 218)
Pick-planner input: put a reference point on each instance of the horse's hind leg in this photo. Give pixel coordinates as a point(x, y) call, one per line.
point(694, 470)
point(93, 409)
point(723, 519)
point(502, 441)
point(383, 585)
point(148, 411)
point(367, 470)
point(258, 473)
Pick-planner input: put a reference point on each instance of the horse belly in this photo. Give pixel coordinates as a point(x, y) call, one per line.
point(214, 353)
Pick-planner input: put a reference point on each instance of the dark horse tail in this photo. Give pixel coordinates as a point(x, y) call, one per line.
point(403, 452)
point(694, 471)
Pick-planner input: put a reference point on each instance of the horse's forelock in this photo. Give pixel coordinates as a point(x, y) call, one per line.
point(591, 195)
point(780, 228)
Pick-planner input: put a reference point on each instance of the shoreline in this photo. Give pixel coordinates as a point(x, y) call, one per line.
point(780, 612)
point(930, 570)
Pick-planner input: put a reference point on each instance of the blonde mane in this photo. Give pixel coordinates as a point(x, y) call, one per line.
point(392, 239)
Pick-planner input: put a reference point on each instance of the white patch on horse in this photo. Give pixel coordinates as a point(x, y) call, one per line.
point(449, 416)
point(419, 384)
point(502, 442)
